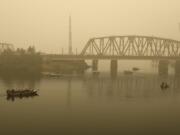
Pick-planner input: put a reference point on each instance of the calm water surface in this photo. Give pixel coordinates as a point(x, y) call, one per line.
point(86, 105)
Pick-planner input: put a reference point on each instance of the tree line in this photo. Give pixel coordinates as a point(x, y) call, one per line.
point(20, 61)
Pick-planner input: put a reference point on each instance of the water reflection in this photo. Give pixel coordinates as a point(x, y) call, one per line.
point(131, 86)
point(69, 92)
point(13, 98)
point(92, 104)
point(124, 87)
point(103, 87)
point(20, 81)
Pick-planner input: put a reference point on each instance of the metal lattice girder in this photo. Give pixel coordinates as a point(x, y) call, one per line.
point(132, 46)
point(5, 46)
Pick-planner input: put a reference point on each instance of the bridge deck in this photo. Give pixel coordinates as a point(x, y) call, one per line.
point(107, 57)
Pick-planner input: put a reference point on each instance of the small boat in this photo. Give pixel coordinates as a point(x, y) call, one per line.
point(96, 73)
point(127, 72)
point(21, 93)
point(55, 75)
point(164, 86)
point(135, 69)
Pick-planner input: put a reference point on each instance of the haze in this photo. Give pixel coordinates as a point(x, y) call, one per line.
point(44, 23)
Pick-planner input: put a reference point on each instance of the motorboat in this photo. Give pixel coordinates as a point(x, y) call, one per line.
point(21, 93)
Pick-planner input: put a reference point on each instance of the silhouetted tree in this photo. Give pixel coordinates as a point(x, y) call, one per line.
point(20, 61)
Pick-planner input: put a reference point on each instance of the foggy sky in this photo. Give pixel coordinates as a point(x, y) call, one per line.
point(44, 23)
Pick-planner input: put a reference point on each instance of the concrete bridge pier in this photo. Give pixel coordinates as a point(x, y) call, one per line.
point(163, 67)
point(114, 68)
point(95, 67)
point(177, 68)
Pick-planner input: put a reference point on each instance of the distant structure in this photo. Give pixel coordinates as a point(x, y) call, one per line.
point(179, 26)
point(5, 46)
point(70, 37)
point(117, 47)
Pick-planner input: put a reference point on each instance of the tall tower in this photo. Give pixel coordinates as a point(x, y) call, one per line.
point(70, 36)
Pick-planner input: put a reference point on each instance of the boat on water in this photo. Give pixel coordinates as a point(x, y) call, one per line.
point(54, 75)
point(47, 74)
point(21, 93)
point(127, 72)
point(96, 73)
point(135, 69)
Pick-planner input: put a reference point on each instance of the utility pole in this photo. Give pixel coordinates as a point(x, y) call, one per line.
point(70, 37)
point(76, 51)
point(179, 26)
point(62, 51)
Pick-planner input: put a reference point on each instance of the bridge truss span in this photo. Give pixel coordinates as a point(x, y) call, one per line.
point(5, 46)
point(141, 46)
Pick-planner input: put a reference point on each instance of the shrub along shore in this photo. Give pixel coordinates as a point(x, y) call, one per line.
point(20, 62)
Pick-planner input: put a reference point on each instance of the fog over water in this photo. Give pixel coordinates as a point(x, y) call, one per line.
point(44, 23)
point(145, 66)
point(86, 104)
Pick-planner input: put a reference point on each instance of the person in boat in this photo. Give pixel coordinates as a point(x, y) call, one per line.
point(164, 86)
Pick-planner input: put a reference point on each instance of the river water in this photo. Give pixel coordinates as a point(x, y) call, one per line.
point(87, 105)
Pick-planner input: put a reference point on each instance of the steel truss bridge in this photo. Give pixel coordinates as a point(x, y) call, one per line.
point(5, 46)
point(127, 47)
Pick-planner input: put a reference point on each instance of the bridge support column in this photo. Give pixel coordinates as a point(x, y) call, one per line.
point(95, 67)
point(163, 67)
point(114, 68)
point(177, 68)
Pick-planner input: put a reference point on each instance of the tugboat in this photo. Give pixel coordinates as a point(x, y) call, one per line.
point(21, 93)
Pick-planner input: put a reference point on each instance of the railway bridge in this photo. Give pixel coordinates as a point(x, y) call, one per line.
point(130, 47)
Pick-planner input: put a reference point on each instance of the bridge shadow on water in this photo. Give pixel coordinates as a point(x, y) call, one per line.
point(131, 87)
point(123, 87)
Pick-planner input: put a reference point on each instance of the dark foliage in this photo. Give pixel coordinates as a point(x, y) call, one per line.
point(20, 61)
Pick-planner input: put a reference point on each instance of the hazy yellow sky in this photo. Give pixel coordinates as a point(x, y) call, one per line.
point(44, 23)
